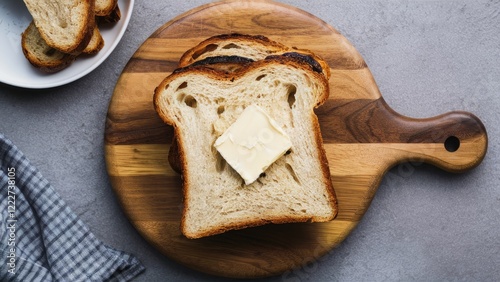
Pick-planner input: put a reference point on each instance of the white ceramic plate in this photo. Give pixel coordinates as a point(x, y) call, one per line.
point(17, 71)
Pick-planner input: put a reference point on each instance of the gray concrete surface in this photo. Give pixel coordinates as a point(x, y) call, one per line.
point(427, 57)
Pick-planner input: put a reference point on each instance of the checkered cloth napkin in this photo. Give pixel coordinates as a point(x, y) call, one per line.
point(41, 239)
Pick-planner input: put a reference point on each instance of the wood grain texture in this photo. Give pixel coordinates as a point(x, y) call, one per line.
point(363, 139)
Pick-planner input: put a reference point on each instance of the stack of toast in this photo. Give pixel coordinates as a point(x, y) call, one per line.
point(217, 81)
point(61, 31)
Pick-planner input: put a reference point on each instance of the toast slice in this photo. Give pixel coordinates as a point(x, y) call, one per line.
point(104, 7)
point(48, 59)
point(65, 25)
point(113, 17)
point(41, 55)
point(252, 47)
point(201, 103)
point(96, 43)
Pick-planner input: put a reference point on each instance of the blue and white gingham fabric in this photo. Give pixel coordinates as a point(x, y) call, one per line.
point(41, 239)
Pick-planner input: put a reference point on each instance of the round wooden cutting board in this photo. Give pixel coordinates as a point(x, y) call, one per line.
point(363, 139)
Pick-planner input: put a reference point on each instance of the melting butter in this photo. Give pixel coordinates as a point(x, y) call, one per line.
point(252, 143)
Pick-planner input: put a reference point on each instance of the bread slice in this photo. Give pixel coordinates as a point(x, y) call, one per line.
point(113, 17)
point(48, 59)
point(201, 103)
point(253, 47)
point(41, 55)
point(96, 43)
point(104, 7)
point(66, 25)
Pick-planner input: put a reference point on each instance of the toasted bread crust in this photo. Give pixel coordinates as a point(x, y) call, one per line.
point(327, 180)
point(180, 159)
point(192, 54)
point(174, 156)
point(87, 34)
point(273, 48)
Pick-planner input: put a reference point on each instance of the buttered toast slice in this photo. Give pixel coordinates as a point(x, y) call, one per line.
point(201, 103)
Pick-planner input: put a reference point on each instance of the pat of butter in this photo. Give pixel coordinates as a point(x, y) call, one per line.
point(252, 143)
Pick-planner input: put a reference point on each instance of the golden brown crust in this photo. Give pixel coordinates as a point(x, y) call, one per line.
point(253, 223)
point(325, 167)
point(96, 43)
point(174, 156)
point(185, 178)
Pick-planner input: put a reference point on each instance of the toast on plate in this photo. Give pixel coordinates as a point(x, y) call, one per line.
point(64, 25)
point(104, 7)
point(229, 52)
point(45, 56)
point(48, 59)
point(96, 43)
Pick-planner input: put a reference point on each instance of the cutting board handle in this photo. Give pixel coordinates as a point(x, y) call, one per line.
point(456, 141)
